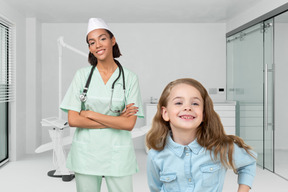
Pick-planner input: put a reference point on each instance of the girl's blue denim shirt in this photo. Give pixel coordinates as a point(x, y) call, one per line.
point(179, 168)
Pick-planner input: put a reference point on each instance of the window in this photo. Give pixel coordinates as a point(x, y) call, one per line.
point(7, 86)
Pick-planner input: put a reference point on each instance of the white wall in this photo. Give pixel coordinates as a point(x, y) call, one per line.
point(254, 12)
point(18, 108)
point(158, 53)
point(33, 85)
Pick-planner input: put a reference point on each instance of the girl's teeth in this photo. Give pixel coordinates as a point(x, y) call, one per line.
point(186, 117)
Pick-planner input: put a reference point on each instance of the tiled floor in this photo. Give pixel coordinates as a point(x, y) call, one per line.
point(30, 174)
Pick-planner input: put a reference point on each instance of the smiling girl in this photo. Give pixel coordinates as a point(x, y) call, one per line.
point(189, 148)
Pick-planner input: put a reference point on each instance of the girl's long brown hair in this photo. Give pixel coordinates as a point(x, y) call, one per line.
point(210, 134)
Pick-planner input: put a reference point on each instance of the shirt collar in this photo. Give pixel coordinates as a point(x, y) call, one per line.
point(179, 149)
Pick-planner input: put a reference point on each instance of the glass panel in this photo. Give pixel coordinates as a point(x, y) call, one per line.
point(245, 85)
point(3, 132)
point(268, 96)
point(3, 105)
point(281, 94)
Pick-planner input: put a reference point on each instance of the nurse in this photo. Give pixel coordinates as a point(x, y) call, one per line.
point(102, 143)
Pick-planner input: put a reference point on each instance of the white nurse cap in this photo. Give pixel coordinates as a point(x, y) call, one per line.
point(96, 23)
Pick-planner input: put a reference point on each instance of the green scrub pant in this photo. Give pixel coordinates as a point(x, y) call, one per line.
point(92, 183)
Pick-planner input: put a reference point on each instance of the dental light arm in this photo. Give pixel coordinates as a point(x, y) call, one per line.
point(61, 44)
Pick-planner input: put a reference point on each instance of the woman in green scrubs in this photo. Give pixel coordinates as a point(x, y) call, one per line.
point(102, 143)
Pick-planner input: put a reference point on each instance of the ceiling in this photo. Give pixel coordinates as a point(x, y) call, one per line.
point(132, 11)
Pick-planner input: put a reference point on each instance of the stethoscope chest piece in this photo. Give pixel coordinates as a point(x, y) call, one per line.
point(83, 97)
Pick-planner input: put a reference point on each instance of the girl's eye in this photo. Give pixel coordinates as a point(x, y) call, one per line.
point(178, 103)
point(195, 103)
point(103, 39)
point(91, 43)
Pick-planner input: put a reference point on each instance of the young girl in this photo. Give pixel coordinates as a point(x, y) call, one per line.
point(102, 144)
point(189, 148)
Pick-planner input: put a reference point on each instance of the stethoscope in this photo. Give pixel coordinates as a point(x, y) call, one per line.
point(83, 96)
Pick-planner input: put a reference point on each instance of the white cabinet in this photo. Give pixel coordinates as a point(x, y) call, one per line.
point(151, 110)
point(226, 111)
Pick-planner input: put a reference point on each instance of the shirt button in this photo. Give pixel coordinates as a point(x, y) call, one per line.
point(189, 180)
point(187, 154)
point(167, 179)
point(211, 169)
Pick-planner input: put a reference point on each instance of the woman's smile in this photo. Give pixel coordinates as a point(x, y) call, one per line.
point(100, 52)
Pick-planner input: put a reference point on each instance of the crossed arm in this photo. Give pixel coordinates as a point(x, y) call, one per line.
point(94, 120)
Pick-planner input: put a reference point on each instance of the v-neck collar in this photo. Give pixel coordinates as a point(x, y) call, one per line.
point(111, 77)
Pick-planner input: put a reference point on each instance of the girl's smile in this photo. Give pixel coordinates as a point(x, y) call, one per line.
point(187, 117)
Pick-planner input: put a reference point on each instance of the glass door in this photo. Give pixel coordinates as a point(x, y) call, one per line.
point(245, 85)
point(257, 68)
point(281, 94)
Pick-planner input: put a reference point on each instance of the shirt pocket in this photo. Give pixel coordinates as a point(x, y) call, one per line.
point(118, 98)
point(97, 103)
point(210, 174)
point(170, 183)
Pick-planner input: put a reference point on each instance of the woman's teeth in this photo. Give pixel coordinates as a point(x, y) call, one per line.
point(100, 52)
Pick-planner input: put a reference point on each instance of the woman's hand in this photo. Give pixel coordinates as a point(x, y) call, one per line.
point(80, 120)
point(84, 113)
point(130, 110)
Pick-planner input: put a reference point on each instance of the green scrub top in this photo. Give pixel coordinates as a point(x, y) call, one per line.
point(107, 152)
